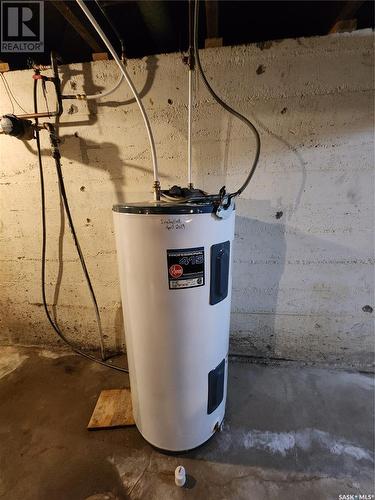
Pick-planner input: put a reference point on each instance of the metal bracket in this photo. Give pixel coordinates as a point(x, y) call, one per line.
point(225, 208)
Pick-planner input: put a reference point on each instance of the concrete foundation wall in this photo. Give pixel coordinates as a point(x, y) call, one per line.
point(303, 254)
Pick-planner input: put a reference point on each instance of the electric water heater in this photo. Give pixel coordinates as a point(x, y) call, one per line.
point(175, 277)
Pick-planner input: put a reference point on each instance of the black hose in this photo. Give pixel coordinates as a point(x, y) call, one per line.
point(56, 156)
point(226, 106)
point(44, 237)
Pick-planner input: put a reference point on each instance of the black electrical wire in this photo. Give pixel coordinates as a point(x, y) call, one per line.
point(226, 106)
point(10, 94)
point(56, 156)
point(7, 92)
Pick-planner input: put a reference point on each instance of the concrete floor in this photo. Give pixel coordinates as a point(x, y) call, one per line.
point(290, 433)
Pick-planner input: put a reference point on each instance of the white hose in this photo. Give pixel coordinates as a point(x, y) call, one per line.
point(120, 64)
point(106, 92)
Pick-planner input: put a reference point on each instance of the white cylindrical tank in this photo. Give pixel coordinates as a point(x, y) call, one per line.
point(175, 277)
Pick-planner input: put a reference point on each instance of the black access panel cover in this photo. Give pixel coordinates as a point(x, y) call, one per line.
point(220, 258)
point(216, 379)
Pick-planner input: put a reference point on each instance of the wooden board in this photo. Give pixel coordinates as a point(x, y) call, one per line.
point(4, 66)
point(113, 409)
point(100, 56)
point(213, 42)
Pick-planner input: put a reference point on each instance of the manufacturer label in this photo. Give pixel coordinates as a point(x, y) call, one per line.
point(185, 268)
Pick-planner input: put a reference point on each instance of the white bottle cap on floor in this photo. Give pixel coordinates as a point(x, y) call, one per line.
point(180, 475)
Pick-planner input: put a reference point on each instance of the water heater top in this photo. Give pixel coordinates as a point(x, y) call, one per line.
point(160, 207)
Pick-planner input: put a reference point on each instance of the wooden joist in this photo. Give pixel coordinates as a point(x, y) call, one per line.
point(69, 15)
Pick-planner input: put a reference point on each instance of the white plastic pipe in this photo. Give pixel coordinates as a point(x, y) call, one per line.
point(120, 64)
point(189, 126)
point(106, 92)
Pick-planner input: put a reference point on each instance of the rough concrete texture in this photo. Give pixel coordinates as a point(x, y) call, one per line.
point(303, 254)
point(289, 433)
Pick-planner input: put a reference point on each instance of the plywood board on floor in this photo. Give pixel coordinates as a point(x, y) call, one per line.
point(113, 409)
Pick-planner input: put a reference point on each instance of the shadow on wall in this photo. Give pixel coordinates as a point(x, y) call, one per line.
point(325, 303)
point(104, 155)
point(101, 156)
point(78, 150)
point(90, 88)
point(266, 242)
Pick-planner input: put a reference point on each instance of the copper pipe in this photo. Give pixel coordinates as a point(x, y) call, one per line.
point(29, 116)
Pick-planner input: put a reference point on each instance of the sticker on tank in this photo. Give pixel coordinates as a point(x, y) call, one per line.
point(185, 268)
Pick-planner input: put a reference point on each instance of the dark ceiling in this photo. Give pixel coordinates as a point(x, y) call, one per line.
point(156, 26)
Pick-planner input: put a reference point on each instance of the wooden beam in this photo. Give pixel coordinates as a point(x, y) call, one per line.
point(73, 20)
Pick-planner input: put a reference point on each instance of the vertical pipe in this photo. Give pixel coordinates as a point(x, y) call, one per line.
point(191, 64)
point(189, 152)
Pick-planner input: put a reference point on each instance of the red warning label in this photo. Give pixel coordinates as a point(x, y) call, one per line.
point(176, 270)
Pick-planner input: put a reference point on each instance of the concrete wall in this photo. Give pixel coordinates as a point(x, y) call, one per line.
point(303, 255)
